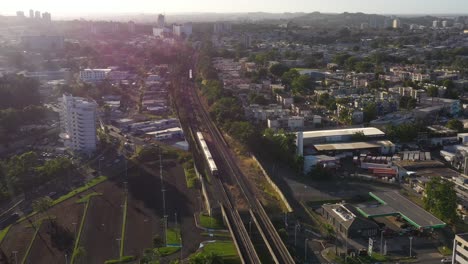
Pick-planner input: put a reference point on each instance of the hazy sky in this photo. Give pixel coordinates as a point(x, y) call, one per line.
point(75, 7)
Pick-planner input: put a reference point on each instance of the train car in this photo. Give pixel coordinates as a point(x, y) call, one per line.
point(207, 154)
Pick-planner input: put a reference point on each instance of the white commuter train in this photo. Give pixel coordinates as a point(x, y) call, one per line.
point(206, 152)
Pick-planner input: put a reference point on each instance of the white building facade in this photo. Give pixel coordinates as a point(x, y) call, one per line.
point(94, 75)
point(78, 123)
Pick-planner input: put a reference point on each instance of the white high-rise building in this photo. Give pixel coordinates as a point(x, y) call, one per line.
point(78, 123)
point(436, 24)
point(185, 29)
point(396, 23)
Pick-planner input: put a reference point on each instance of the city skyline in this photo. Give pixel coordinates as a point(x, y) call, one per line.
point(61, 8)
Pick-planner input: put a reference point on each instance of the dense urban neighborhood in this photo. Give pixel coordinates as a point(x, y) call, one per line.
point(247, 138)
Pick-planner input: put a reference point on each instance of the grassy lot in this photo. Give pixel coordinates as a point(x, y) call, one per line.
point(190, 177)
point(81, 189)
point(166, 251)
point(217, 234)
point(445, 251)
point(25, 258)
point(124, 224)
point(173, 236)
point(78, 236)
point(225, 249)
point(86, 198)
point(3, 233)
point(211, 222)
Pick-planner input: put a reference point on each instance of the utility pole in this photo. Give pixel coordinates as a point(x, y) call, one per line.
point(381, 242)
point(305, 249)
point(16, 256)
point(175, 215)
point(295, 234)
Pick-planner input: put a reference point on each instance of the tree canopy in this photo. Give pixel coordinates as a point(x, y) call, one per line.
point(441, 199)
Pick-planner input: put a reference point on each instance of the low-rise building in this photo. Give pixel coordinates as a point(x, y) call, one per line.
point(94, 75)
point(347, 222)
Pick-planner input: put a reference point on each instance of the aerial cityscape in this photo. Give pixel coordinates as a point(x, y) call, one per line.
point(222, 132)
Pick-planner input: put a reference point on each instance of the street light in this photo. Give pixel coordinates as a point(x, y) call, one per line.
point(410, 246)
point(66, 259)
point(305, 249)
point(74, 227)
point(295, 234)
point(16, 256)
point(250, 227)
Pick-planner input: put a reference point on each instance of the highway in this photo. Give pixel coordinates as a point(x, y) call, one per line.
point(231, 173)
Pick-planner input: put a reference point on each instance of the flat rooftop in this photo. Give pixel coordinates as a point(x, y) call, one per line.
point(346, 146)
point(393, 203)
point(368, 131)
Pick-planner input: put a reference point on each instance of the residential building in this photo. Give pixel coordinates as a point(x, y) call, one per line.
point(396, 23)
point(78, 123)
point(131, 27)
point(346, 221)
point(20, 14)
point(37, 15)
point(161, 21)
point(46, 17)
point(94, 75)
point(161, 31)
point(31, 13)
point(181, 30)
point(42, 42)
point(460, 249)
point(221, 27)
point(288, 123)
point(436, 24)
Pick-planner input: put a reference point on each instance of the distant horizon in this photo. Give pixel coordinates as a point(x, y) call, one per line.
point(185, 7)
point(135, 13)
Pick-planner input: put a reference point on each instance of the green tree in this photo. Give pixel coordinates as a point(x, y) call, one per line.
point(432, 91)
point(226, 109)
point(42, 205)
point(441, 199)
point(370, 112)
point(302, 84)
point(278, 69)
point(242, 130)
point(455, 124)
point(288, 77)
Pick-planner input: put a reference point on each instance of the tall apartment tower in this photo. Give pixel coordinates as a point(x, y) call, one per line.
point(460, 252)
point(31, 13)
point(78, 123)
point(161, 20)
point(396, 23)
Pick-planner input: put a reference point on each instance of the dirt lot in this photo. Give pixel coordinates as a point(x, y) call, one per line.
point(103, 224)
point(17, 239)
point(146, 203)
point(104, 220)
point(57, 240)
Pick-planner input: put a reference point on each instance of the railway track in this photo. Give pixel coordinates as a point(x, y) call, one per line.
point(277, 248)
point(234, 221)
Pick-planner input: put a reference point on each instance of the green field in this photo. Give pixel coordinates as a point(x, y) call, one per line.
point(222, 248)
point(173, 236)
point(211, 222)
point(4, 232)
point(166, 251)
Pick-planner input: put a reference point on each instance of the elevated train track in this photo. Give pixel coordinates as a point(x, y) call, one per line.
point(277, 248)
